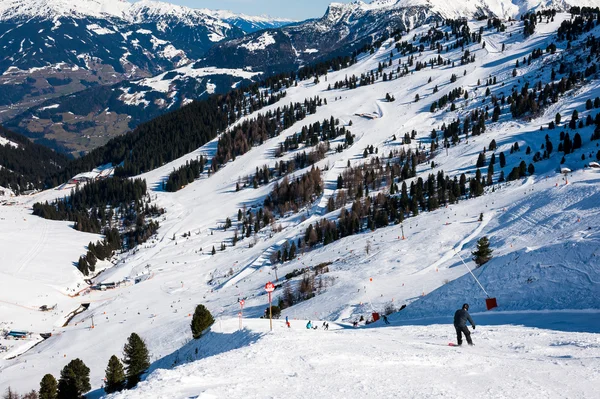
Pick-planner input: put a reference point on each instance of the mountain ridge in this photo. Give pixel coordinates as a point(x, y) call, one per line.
point(136, 12)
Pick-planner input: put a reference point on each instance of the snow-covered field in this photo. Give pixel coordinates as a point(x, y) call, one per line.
point(506, 361)
point(545, 234)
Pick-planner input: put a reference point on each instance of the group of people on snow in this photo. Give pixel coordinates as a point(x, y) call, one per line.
point(309, 326)
point(461, 317)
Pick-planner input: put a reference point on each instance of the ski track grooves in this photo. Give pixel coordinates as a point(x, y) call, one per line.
point(35, 250)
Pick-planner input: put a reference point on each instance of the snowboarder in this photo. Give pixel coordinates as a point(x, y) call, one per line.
point(385, 319)
point(309, 325)
point(287, 322)
point(460, 324)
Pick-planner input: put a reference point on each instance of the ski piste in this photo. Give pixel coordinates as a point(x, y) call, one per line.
point(544, 260)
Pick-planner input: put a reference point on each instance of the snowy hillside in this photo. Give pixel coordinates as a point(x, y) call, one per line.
point(63, 27)
point(347, 26)
point(456, 9)
point(53, 48)
point(134, 11)
point(249, 23)
point(385, 363)
point(445, 144)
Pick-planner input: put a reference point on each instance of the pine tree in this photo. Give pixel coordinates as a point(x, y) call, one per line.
point(136, 358)
point(83, 266)
point(201, 321)
point(480, 160)
point(483, 254)
point(115, 375)
point(522, 169)
point(48, 387)
point(502, 160)
point(576, 141)
point(74, 380)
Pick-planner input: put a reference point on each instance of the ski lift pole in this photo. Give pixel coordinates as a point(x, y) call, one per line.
point(368, 296)
point(469, 269)
point(270, 287)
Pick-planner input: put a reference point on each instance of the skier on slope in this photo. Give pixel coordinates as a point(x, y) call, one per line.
point(309, 325)
point(460, 324)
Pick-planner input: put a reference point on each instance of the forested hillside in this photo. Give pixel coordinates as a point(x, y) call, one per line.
point(28, 166)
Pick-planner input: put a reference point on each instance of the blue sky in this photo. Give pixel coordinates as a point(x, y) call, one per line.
point(294, 9)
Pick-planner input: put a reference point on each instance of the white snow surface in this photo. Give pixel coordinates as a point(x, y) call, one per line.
point(227, 15)
point(52, 106)
point(99, 30)
point(261, 42)
point(160, 84)
point(542, 341)
point(57, 8)
point(460, 8)
point(411, 361)
point(5, 141)
point(134, 11)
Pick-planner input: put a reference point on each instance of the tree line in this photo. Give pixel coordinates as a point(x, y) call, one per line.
point(28, 166)
point(87, 204)
point(185, 174)
point(239, 139)
point(293, 194)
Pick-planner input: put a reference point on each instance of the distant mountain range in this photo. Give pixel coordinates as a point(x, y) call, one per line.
point(166, 56)
point(57, 47)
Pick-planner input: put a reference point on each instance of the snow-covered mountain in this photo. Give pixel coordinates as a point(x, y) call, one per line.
point(347, 26)
point(81, 43)
point(249, 23)
point(158, 37)
point(79, 122)
point(134, 11)
point(115, 32)
point(491, 129)
point(147, 34)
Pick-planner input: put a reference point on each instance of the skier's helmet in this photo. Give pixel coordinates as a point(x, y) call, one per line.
point(466, 306)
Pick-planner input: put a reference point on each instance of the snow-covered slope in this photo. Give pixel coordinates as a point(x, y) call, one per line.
point(507, 361)
point(57, 47)
point(543, 228)
point(141, 29)
point(454, 9)
point(249, 23)
point(51, 9)
point(5, 141)
point(347, 26)
point(134, 11)
point(114, 110)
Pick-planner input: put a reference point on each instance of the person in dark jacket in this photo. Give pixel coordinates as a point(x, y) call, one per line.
point(460, 324)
